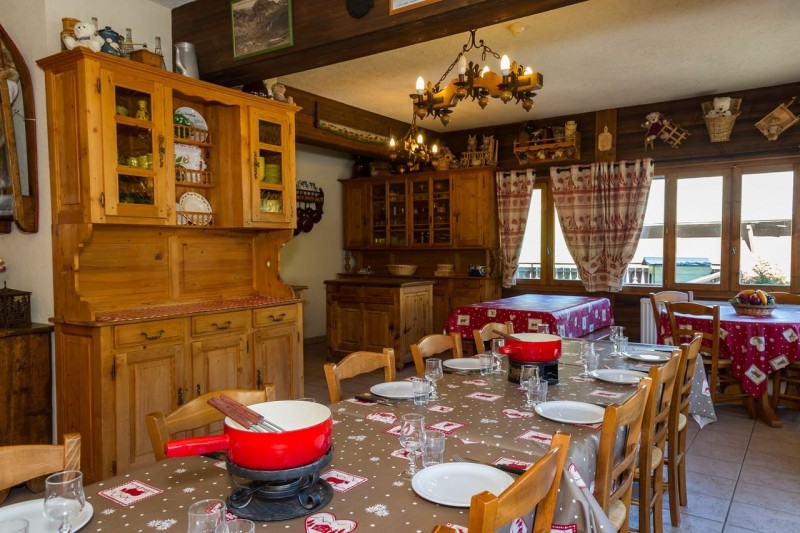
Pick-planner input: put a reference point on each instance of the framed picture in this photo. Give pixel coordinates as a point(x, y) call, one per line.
point(9, 167)
point(260, 26)
point(398, 6)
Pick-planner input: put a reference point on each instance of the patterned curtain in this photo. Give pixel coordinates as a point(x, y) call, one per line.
point(514, 190)
point(601, 210)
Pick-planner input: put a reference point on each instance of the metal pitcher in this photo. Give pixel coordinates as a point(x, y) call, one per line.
point(186, 60)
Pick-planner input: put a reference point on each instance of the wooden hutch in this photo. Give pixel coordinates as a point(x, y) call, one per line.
point(166, 240)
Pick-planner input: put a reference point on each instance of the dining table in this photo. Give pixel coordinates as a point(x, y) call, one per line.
point(756, 345)
point(565, 315)
point(483, 418)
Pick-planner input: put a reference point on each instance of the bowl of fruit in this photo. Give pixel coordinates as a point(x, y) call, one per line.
point(751, 302)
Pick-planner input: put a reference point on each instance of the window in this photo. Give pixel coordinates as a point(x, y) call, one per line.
point(647, 265)
point(530, 257)
point(698, 230)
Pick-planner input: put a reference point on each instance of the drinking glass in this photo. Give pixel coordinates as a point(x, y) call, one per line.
point(411, 427)
point(207, 516)
point(528, 373)
point(589, 357)
point(64, 498)
point(240, 525)
point(487, 363)
point(432, 448)
point(496, 345)
point(433, 371)
point(536, 393)
point(542, 328)
point(14, 526)
point(422, 391)
point(616, 333)
point(621, 345)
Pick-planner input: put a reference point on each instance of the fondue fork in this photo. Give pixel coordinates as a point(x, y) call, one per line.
point(253, 417)
point(234, 414)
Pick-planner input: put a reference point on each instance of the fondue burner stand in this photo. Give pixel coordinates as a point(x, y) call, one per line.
point(547, 370)
point(268, 495)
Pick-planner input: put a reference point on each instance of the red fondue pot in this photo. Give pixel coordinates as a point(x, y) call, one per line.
point(306, 438)
point(533, 347)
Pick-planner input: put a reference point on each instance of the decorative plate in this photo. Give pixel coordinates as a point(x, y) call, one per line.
point(194, 117)
point(195, 203)
point(189, 157)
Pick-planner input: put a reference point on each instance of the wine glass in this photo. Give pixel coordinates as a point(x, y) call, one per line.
point(207, 516)
point(433, 371)
point(412, 426)
point(528, 376)
point(64, 498)
point(616, 335)
point(588, 358)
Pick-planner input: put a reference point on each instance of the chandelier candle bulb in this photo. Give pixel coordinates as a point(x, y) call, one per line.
point(420, 85)
point(462, 66)
point(505, 65)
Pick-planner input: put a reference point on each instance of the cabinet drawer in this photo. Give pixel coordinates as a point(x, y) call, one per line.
point(378, 293)
point(148, 332)
point(207, 324)
point(273, 315)
point(467, 284)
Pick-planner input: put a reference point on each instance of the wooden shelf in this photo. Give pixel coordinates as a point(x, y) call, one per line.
point(546, 150)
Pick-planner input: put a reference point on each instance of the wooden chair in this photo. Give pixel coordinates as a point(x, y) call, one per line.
point(21, 463)
point(724, 387)
point(786, 381)
point(196, 413)
point(787, 298)
point(657, 301)
point(535, 489)
point(655, 422)
point(435, 344)
point(480, 336)
point(355, 364)
point(615, 465)
point(677, 428)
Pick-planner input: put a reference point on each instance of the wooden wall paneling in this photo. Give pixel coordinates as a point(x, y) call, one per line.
point(324, 33)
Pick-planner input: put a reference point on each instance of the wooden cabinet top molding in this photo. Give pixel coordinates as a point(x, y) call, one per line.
point(381, 282)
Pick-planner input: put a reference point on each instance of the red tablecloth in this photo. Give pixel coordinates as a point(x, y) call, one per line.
point(758, 345)
point(568, 316)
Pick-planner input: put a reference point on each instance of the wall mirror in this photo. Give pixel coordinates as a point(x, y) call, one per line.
point(19, 189)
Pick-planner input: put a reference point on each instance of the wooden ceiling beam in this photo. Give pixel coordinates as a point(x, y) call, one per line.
point(324, 33)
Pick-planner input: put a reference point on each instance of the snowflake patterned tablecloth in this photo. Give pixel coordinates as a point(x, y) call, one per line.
point(758, 345)
point(568, 316)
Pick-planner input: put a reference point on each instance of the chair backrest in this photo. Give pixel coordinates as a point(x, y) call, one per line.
point(355, 364)
point(657, 409)
point(683, 332)
point(486, 333)
point(21, 463)
point(659, 299)
point(684, 380)
point(435, 344)
point(785, 298)
point(197, 413)
point(536, 489)
point(616, 462)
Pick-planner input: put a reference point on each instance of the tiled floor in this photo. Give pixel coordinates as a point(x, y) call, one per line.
point(742, 475)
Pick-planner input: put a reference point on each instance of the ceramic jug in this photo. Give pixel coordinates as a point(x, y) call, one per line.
point(186, 60)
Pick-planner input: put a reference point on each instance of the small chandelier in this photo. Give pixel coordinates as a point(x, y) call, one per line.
point(515, 82)
point(412, 148)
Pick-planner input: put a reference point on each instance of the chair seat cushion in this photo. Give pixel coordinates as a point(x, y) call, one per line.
point(656, 456)
point(681, 421)
point(617, 514)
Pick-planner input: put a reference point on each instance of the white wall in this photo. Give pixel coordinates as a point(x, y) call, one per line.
point(35, 27)
point(311, 258)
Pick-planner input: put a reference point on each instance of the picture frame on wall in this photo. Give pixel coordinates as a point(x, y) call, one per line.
point(260, 26)
point(398, 6)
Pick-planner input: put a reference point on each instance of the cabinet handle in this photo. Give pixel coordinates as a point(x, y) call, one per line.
point(153, 337)
point(226, 325)
point(278, 318)
point(180, 396)
point(255, 166)
point(457, 214)
point(198, 389)
point(161, 150)
point(259, 382)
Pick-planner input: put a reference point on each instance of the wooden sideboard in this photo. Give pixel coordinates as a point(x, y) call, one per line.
point(171, 200)
point(377, 313)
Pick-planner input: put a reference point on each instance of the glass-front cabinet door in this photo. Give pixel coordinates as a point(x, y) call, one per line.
point(421, 211)
point(430, 206)
point(396, 212)
point(272, 150)
point(440, 212)
point(134, 149)
point(380, 221)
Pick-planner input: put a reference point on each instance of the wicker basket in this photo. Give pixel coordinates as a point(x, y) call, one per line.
point(720, 128)
point(402, 270)
point(753, 310)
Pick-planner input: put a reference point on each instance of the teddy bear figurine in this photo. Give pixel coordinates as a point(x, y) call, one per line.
point(279, 93)
point(722, 107)
point(654, 123)
point(86, 36)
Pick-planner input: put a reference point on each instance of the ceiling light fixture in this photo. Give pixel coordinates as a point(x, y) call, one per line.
point(412, 148)
point(514, 82)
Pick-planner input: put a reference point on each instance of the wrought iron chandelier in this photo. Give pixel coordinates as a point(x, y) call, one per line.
point(411, 148)
point(514, 82)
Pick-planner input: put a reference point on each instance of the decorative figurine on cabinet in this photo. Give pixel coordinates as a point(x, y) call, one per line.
point(658, 125)
point(86, 36)
point(142, 113)
point(279, 93)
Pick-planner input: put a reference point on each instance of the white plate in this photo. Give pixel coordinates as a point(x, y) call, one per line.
point(462, 363)
point(189, 157)
point(649, 357)
point(616, 375)
point(397, 390)
point(191, 201)
point(455, 484)
point(194, 117)
point(571, 412)
point(33, 512)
